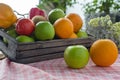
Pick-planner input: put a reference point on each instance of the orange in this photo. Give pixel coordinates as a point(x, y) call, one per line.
point(76, 20)
point(73, 36)
point(63, 28)
point(76, 56)
point(104, 52)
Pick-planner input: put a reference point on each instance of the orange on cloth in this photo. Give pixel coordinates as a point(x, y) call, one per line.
point(104, 52)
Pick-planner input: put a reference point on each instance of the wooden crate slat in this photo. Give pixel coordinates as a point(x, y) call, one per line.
point(39, 52)
point(52, 43)
point(43, 51)
point(40, 58)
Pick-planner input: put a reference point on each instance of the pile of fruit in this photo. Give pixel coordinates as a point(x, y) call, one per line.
point(58, 25)
point(39, 26)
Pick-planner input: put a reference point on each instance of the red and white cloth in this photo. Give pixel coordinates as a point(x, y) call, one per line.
point(56, 69)
point(14, 71)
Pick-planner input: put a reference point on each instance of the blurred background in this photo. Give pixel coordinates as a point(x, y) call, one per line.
point(23, 6)
point(87, 9)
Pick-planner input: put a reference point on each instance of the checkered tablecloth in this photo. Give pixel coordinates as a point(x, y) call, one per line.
point(56, 69)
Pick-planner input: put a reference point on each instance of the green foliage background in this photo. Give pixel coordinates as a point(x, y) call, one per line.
point(62, 4)
point(105, 6)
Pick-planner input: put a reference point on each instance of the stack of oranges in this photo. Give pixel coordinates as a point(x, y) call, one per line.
point(68, 26)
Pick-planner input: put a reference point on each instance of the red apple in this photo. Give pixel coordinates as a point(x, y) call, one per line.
point(25, 26)
point(36, 11)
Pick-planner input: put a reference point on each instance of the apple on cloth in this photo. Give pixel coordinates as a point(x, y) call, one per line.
point(76, 56)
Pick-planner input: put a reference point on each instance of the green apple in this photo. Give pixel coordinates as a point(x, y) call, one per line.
point(55, 14)
point(24, 39)
point(76, 56)
point(12, 33)
point(82, 34)
point(44, 30)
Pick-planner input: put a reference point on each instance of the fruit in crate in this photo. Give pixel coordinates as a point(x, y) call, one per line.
point(25, 26)
point(36, 11)
point(38, 18)
point(42, 27)
point(82, 34)
point(103, 52)
point(7, 16)
point(24, 39)
point(44, 30)
point(73, 36)
point(76, 56)
point(63, 28)
point(12, 33)
point(76, 20)
point(55, 14)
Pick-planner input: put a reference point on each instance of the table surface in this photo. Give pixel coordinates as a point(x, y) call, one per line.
point(56, 69)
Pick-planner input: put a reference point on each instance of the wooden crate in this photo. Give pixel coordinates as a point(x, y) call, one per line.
point(39, 50)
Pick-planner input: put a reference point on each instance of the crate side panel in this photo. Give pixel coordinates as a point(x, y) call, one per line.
point(39, 52)
point(43, 51)
point(40, 58)
point(53, 43)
